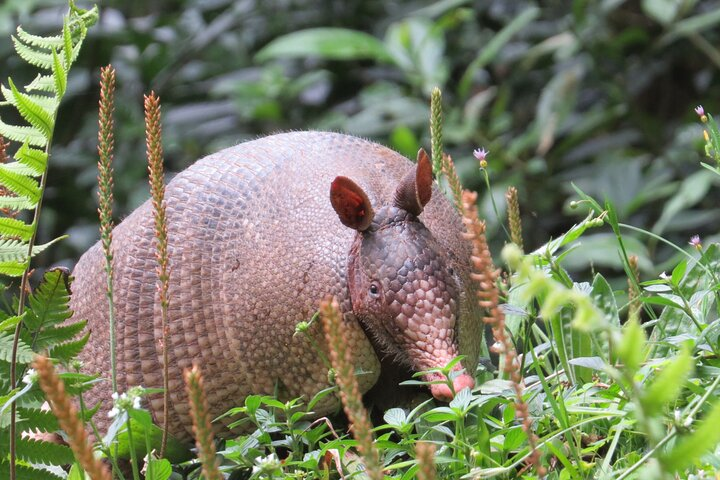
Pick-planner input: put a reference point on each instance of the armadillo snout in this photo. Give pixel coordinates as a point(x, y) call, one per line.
point(442, 392)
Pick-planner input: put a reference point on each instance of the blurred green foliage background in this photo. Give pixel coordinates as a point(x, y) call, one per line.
point(599, 93)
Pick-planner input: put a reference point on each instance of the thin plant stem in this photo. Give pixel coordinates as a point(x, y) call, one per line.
point(153, 132)
point(106, 144)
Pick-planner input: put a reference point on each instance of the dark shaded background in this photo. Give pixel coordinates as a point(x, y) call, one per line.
point(599, 93)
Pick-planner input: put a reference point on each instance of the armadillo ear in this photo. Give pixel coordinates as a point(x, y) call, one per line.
point(415, 189)
point(351, 204)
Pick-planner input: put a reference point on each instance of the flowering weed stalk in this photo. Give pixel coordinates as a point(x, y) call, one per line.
point(486, 276)
point(67, 416)
point(153, 134)
point(201, 423)
point(106, 145)
point(341, 358)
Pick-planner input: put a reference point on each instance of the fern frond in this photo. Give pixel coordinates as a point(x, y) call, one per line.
point(36, 58)
point(32, 419)
point(55, 335)
point(32, 157)
point(24, 352)
point(20, 184)
point(59, 75)
point(49, 302)
point(10, 322)
point(25, 472)
point(13, 254)
point(67, 40)
point(14, 228)
point(20, 169)
point(65, 352)
point(16, 203)
point(46, 102)
point(31, 111)
point(22, 134)
point(13, 269)
point(41, 83)
point(55, 41)
point(34, 451)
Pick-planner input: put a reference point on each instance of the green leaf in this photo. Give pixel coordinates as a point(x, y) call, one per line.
point(691, 26)
point(668, 384)
point(49, 301)
point(10, 322)
point(678, 273)
point(25, 472)
point(33, 451)
point(689, 448)
point(24, 352)
point(32, 112)
point(490, 50)
point(161, 469)
point(67, 50)
point(65, 352)
point(54, 335)
point(22, 134)
point(55, 41)
point(33, 56)
point(42, 83)
point(19, 184)
point(16, 203)
point(37, 419)
point(33, 158)
point(59, 75)
point(632, 347)
point(328, 43)
point(13, 269)
point(13, 228)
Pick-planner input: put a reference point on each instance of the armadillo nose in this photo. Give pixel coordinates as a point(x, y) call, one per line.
point(442, 392)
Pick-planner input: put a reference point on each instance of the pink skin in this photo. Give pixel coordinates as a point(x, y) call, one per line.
point(442, 392)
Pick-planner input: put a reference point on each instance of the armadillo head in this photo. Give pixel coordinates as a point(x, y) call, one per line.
point(401, 281)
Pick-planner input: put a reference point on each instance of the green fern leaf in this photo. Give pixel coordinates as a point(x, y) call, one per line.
point(32, 112)
point(49, 301)
point(32, 157)
point(9, 323)
point(59, 75)
point(46, 102)
point(25, 472)
point(37, 419)
point(55, 41)
point(33, 451)
point(13, 269)
point(41, 83)
point(67, 50)
point(16, 203)
point(66, 352)
point(14, 228)
point(20, 169)
point(12, 250)
point(24, 352)
point(22, 134)
point(20, 184)
point(37, 58)
point(55, 335)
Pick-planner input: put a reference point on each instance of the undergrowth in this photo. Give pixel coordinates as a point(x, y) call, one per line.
point(594, 379)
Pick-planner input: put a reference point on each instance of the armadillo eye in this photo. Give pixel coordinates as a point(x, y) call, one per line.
point(451, 271)
point(374, 290)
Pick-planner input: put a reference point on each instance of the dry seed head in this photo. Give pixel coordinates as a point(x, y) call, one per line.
point(67, 416)
point(341, 359)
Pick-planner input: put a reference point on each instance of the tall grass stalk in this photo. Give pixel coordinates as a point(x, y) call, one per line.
point(341, 358)
point(201, 423)
point(153, 135)
point(67, 416)
point(106, 146)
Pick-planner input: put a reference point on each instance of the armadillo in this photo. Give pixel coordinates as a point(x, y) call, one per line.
point(258, 235)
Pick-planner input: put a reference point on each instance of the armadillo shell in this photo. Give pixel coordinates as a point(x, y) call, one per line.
point(254, 245)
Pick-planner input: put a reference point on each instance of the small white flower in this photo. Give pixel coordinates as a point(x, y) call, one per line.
point(664, 276)
point(114, 412)
point(268, 464)
point(30, 377)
